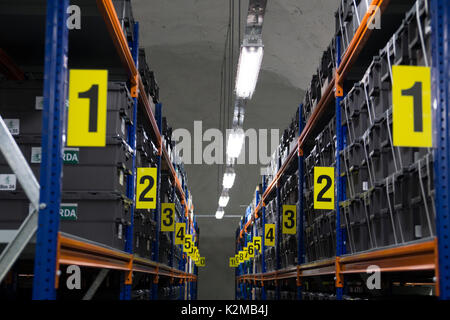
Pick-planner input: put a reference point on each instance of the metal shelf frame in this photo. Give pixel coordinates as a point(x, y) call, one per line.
point(52, 247)
point(431, 255)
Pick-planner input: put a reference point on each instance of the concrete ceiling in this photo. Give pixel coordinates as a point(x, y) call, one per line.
point(185, 41)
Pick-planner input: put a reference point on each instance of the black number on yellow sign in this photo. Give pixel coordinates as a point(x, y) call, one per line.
point(179, 234)
point(241, 256)
point(269, 238)
point(167, 217)
point(324, 188)
point(92, 95)
point(187, 243)
point(257, 243)
point(289, 219)
point(251, 250)
point(88, 91)
point(146, 188)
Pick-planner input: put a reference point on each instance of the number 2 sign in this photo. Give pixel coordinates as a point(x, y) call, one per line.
point(324, 188)
point(88, 91)
point(146, 188)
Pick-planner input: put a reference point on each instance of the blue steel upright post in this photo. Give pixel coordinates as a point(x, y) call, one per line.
point(278, 233)
point(263, 235)
point(125, 291)
point(440, 13)
point(158, 118)
point(339, 180)
point(55, 92)
point(300, 205)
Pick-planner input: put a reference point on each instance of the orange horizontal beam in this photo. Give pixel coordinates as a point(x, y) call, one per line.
point(108, 11)
point(413, 257)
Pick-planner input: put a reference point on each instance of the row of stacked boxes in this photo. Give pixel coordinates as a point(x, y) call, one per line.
point(389, 189)
point(319, 225)
point(94, 203)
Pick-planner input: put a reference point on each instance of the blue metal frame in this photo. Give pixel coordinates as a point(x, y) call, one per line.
point(125, 290)
point(263, 247)
point(278, 233)
point(440, 12)
point(300, 213)
point(340, 183)
point(157, 215)
point(55, 93)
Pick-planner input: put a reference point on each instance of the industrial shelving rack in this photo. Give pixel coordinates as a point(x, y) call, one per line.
point(54, 248)
point(432, 255)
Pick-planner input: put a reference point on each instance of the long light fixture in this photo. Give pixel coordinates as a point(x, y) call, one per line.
point(220, 213)
point(248, 70)
point(235, 141)
point(224, 198)
point(228, 178)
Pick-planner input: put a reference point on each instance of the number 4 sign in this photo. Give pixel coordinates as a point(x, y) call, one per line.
point(411, 106)
point(88, 91)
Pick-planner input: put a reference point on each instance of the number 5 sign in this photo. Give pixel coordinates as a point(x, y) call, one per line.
point(146, 188)
point(88, 91)
point(324, 188)
point(411, 106)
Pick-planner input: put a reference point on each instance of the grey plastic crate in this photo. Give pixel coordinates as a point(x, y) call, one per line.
point(125, 15)
point(401, 45)
point(100, 217)
point(374, 83)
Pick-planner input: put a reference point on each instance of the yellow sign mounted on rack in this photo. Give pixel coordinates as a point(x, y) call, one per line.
point(180, 229)
point(289, 219)
point(324, 188)
point(411, 106)
point(251, 250)
point(257, 243)
point(88, 92)
point(269, 235)
point(167, 217)
point(146, 188)
point(187, 247)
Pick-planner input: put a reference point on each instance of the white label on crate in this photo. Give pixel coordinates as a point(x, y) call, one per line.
point(418, 231)
point(122, 126)
point(8, 182)
point(121, 177)
point(39, 103)
point(36, 155)
point(119, 232)
point(365, 186)
point(13, 126)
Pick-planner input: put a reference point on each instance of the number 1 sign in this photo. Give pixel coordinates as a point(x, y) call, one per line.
point(88, 91)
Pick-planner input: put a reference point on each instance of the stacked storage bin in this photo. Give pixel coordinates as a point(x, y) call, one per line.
point(319, 225)
point(94, 205)
point(389, 189)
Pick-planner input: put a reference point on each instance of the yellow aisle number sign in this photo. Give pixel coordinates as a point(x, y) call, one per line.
point(269, 235)
point(241, 256)
point(88, 91)
point(289, 219)
point(324, 188)
point(179, 233)
point(187, 243)
point(246, 257)
point(236, 259)
point(146, 188)
point(251, 250)
point(201, 262)
point(411, 106)
point(232, 262)
point(167, 217)
point(257, 244)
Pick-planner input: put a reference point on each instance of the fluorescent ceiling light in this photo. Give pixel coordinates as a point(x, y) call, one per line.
point(248, 70)
point(228, 178)
point(235, 141)
point(220, 213)
point(224, 198)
